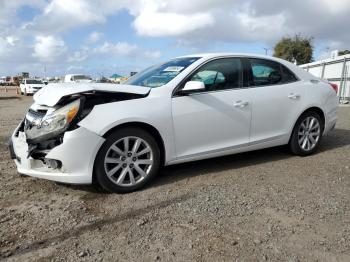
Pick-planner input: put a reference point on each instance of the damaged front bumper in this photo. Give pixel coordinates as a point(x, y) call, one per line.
point(70, 162)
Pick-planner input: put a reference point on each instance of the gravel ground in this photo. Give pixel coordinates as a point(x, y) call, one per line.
point(258, 206)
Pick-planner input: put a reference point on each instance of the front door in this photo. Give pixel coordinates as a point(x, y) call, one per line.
point(217, 118)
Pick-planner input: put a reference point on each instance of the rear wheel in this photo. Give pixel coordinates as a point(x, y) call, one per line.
point(307, 134)
point(127, 161)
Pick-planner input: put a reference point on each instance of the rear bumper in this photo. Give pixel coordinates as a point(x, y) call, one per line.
point(331, 116)
point(76, 154)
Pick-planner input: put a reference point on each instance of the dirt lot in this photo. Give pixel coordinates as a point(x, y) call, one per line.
point(258, 206)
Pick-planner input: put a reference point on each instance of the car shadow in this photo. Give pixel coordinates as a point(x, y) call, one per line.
point(10, 98)
point(336, 139)
point(171, 174)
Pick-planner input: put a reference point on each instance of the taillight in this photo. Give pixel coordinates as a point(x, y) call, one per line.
point(335, 87)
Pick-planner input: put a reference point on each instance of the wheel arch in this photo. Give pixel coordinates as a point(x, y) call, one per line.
point(315, 109)
point(147, 127)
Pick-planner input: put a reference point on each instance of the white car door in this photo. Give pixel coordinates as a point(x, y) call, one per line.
point(217, 118)
point(278, 99)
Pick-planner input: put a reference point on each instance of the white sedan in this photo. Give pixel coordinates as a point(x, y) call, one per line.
point(189, 108)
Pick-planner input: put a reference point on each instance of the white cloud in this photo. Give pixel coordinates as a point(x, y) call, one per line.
point(120, 48)
point(48, 48)
point(152, 54)
point(170, 24)
point(60, 15)
point(80, 55)
point(94, 37)
point(335, 6)
point(74, 68)
point(204, 20)
point(8, 9)
point(195, 23)
point(12, 40)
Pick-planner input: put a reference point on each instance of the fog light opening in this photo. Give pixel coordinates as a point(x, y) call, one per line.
point(52, 163)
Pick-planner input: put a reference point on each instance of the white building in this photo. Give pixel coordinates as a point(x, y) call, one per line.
point(335, 70)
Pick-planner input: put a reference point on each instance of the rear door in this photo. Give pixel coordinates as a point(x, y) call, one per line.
point(277, 100)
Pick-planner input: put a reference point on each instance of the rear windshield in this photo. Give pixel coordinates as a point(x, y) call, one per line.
point(159, 75)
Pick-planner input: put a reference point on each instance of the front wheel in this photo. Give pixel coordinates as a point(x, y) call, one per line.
point(307, 134)
point(127, 161)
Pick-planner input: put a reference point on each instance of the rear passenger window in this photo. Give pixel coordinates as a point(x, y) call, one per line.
point(266, 72)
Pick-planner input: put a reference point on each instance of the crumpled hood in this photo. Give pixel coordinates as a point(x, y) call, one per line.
point(51, 94)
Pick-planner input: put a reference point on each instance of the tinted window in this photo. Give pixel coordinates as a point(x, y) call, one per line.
point(266, 72)
point(33, 82)
point(287, 75)
point(82, 77)
point(220, 74)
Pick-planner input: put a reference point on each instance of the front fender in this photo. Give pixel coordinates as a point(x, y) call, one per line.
point(155, 112)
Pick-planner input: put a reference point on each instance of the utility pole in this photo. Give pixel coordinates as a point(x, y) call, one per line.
point(266, 50)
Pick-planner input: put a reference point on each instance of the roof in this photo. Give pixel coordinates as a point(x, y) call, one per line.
point(210, 55)
point(217, 55)
point(301, 73)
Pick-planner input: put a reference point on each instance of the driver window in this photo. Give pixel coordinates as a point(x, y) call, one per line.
point(220, 74)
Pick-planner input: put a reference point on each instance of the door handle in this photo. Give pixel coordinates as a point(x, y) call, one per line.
point(240, 104)
point(294, 96)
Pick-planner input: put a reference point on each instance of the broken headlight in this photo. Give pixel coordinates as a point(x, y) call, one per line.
point(54, 123)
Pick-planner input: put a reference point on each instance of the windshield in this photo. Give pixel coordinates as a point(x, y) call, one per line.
point(34, 82)
point(159, 75)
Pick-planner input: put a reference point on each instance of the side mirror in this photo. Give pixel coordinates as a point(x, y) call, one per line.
point(192, 86)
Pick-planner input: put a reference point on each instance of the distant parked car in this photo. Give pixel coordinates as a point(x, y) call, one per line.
point(75, 78)
point(30, 86)
point(186, 109)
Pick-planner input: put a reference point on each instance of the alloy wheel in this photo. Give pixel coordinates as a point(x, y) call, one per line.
point(309, 133)
point(128, 161)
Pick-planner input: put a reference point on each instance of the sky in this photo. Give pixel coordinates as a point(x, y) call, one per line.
point(102, 37)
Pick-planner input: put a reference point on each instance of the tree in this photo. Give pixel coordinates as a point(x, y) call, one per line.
point(295, 49)
point(344, 52)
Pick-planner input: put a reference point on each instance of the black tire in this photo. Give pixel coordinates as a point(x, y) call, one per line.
point(294, 145)
point(99, 168)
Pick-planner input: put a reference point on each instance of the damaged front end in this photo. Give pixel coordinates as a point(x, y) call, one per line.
point(49, 137)
point(44, 127)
